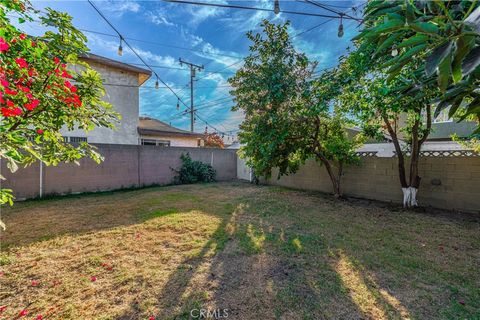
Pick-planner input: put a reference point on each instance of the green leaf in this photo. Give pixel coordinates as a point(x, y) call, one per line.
point(473, 20)
point(425, 27)
point(473, 108)
point(444, 72)
point(462, 47)
point(389, 25)
point(387, 43)
point(471, 61)
point(413, 41)
point(436, 57)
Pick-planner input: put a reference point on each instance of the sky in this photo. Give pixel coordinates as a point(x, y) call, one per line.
point(162, 32)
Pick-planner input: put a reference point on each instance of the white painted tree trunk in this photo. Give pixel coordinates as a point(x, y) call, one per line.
point(410, 197)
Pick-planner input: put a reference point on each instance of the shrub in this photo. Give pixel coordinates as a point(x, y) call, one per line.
point(193, 171)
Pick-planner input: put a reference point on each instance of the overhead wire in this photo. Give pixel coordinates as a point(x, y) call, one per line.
point(135, 52)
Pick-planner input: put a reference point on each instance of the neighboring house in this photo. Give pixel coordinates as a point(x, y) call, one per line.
point(444, 127)
point(158, 133)
point(121, 82)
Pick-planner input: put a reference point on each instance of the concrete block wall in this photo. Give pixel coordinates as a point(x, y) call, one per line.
point(124, 166)
point(377, 178)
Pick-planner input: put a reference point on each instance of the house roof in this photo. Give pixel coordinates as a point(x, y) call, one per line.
point(154, 127)
point(143, 74)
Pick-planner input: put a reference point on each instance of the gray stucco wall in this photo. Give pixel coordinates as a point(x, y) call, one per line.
point(125, 100)
point(124, 166)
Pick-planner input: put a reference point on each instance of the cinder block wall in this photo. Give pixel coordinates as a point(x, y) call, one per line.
point(377, 178)
point(125, 166)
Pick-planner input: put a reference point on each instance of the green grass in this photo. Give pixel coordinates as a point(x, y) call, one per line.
point(261, 252)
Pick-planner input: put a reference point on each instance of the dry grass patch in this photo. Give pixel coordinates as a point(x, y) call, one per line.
point(260, 252)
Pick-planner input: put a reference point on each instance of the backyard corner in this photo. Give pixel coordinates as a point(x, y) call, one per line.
point(254, 252)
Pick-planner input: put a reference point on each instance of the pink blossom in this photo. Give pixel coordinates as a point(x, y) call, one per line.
point(3, 45)
point(22, 63)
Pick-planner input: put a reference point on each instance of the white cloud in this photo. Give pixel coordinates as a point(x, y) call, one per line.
point(119, 7)
point(159, 17)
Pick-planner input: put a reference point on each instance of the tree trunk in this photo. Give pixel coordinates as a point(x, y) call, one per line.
point(333, 178)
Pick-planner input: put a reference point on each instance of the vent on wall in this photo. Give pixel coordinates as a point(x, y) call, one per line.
point(75, 139)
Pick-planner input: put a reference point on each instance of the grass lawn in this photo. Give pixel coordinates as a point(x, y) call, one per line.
point(261, 252)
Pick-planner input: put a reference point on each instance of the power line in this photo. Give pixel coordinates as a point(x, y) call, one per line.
point(155, 87)
point(133, 50)
point(163, 44)
point(256, 8)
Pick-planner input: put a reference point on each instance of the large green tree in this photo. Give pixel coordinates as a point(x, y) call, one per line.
point(287, 115)
point(445, 35)
point(40, 92)
point(381, 110)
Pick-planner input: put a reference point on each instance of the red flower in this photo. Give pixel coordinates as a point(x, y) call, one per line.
point(24, 89)
point(56, 60)
point(4, 83)
point(65, 74)
point(73, 89)
point(10, 92)
point(10, 103)
point(30, 72)
point(35, 283)
point(32, 105)
point(33, 43)
point(2, 308)
point(23, 313)
point(67, 84)
point(7, 112)
point(3, 45)
point(29, 96)
point(461, 302)
point(93, 278)
point(22, 63)
point(22, 36)
point(39, 317)
point(39, 131)
point(151, 318)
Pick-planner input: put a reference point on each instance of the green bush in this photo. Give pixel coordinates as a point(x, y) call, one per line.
point(193, 171)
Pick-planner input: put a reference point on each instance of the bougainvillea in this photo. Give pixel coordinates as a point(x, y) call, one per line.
point(44, 86)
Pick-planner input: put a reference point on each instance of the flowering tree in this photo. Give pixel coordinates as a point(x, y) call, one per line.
point(40, 93)
point(213, 140)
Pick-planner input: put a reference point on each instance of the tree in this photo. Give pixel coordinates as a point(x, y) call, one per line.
point(407, 119)
point(443, 34)
point(41, 93)
point(287, 116)
point(213, 140)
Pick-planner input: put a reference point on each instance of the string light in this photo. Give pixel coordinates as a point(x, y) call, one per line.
point(120, 49)
point(276, 7)
point(340, 27)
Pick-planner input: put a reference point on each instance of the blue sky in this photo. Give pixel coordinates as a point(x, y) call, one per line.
point(214, 37)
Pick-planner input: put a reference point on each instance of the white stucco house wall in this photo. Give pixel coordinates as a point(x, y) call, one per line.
point(121, 82)
point(158, 133)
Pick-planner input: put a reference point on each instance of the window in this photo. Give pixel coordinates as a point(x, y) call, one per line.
point(75, 139)
point(155, 142)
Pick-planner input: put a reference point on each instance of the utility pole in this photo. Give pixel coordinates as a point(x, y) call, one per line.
point(193, 69)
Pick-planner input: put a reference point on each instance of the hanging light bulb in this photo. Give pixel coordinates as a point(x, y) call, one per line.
point(340, 27)
point(156, 84)
point(394, 51)
point(276, 7)
point(178, 104)
point(120, 49)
